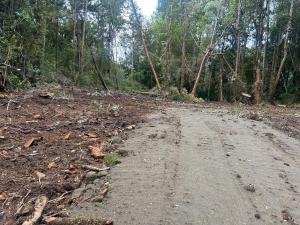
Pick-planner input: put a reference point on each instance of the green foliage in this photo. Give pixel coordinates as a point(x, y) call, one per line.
point(111, 160)
point(16, 82)
point(52, 41)
point(175, 95)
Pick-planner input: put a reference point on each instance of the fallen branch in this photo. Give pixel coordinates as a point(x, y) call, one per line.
point(40, 204)
point(87, 167)
point(60, 197)
point(21, 204)
point(77, 221)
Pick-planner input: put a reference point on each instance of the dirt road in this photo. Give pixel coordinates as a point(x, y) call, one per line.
point(191, 167)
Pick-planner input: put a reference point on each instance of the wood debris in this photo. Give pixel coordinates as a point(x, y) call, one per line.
point(67, 136)
point(39, 207)
point(92, 135)
point(31, 141)
point(93, 168)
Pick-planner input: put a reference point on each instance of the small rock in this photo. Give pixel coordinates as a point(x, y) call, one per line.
point(286, 215)
point(281, 175)
point(91, 176)
point(77, 193)
point(257, 216)
point(228, 154)
point(98, 199)
point(90, 187)
point(152, 136)
point(249, 187)
point(162, 136)
point(116, 140)
point(255, 116)
point(131, 127)
point(123, 153)
point(286, 164)
point(238, 176)
point(102, 174)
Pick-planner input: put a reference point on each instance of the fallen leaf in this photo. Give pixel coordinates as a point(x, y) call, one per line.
point(45, 95)
point(131, 127)
point(40, 175)
point(97, 152)
point(71, 171)
point(30, 141)
point(92, 135)
point(52, 165)
point(67, 136)
point(104, 192)
point(37, 116)
point(49, 219)
point(3, 197)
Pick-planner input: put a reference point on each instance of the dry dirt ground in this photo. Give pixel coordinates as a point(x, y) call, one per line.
point(190, 166)
point(45, 141)
point(180, 164)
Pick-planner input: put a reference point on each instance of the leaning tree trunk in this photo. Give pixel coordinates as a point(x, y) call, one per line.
point(202, 67)
point(275, 80)
point(206, 56)
point(145, 45)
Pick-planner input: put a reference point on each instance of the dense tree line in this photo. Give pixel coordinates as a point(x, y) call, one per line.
point(216, 49)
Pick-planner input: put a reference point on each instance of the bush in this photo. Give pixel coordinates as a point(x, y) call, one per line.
point(175, 95)
point(16, 82)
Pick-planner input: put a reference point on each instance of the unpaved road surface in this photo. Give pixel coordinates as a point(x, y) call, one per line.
point(189, 167)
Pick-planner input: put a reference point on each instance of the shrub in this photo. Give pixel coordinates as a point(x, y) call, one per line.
point(16, 82)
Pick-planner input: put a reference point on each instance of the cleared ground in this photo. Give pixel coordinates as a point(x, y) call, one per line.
point(187, 166)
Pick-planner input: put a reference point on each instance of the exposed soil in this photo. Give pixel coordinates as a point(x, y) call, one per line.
point(190, 166)
point(207, 164)
point(64, 127)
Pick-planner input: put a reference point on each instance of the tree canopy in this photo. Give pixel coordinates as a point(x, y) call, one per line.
point(215, 49)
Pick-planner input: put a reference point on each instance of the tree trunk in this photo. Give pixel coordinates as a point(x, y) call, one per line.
point(43, 31)
point(83, 38)
point(145, 45)
point(98, 70)
point(183, 66)
point(258, 86)
point(275, 80)
point(266, 40)
point(74, 34)
point(169, 50)
point(207, 54)
point(238, 40)
point(221, 75)
point(56, 39)
point(202, 67)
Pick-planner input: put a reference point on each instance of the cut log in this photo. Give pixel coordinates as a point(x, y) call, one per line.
point(40, 204)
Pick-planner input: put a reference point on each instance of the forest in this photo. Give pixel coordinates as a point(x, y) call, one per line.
point(220, 50)
point(111, 116)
